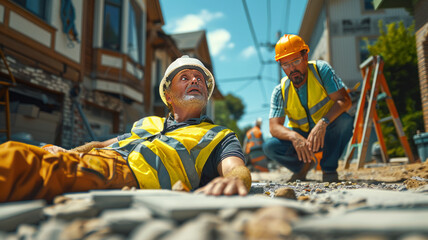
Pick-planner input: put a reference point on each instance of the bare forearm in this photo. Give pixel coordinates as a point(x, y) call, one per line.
point(342, 104)
point(242, 173)
point(94, 144)
point(281, 132)
point(87, 147)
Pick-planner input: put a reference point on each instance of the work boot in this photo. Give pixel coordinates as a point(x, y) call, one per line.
point(330, 177)
point(301, 175)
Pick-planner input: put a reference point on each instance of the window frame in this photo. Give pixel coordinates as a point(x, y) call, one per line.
point(46, 8)
point(120, 39)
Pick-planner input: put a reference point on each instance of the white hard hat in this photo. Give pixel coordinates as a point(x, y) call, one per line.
point(185, 62)
point(259, 121)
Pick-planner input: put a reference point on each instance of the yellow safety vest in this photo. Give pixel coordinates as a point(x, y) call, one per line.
point(319, 103)
point(159, 159)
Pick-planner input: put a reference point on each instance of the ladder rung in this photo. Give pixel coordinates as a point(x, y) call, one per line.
point(3, 130)
point(2, 103)
point(385, 119)
point(381, 96)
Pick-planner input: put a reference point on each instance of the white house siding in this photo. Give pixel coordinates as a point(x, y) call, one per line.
point(318, 43)
point(63, 45)
point(350, 23)
point(29, 29)
point(344, 61)
point(111, 61)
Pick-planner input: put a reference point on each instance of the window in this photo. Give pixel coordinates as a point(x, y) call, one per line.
point(368, 5)
point(364, 51)
point(112, 23)
point(134, 32)
point(37, 7)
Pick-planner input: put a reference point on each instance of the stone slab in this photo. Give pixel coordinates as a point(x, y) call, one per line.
point(184, 207)
point(385, 221)
point(379, 198)
point(109, 199)
point(16, 213)
point(125, 220)
point(74, 208)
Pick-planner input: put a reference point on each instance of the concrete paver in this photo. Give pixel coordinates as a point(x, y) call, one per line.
point(188, 206)
point(16, 213)
point(385, 221)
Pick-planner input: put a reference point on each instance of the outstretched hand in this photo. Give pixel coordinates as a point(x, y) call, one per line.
point(54, 149)
point(224, 186)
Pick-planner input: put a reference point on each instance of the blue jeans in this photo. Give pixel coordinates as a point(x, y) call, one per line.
point(336, 138)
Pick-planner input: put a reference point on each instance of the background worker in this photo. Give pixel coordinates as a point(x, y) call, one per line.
point(315, 100)
point(158, 152)
point(253, 143)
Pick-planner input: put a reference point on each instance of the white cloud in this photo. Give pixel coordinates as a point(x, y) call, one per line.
point(204, 14)
point(193, 22)
point(219, 40)
point(248, 52)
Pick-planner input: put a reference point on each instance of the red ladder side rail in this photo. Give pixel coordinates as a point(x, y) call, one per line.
point(397, 122)
point(366, 72)
point(371, 108)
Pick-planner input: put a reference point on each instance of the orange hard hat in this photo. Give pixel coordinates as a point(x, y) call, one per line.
point(289, 44)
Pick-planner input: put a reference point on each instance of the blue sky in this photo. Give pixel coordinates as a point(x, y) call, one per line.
point(236, 60)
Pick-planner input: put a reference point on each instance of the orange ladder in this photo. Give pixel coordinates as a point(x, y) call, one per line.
point(4, 96)
point(363, 121)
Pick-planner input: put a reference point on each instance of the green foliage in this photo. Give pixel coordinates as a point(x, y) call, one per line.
point(228, 112)
point(397, 46)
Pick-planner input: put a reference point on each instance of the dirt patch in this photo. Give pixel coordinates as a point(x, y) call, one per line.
point(388, 173)
point(414, 183)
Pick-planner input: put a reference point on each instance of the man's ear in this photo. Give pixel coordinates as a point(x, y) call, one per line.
point(167, 97)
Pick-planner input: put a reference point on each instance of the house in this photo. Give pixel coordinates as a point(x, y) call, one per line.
point(85, 69)
point(335, 32)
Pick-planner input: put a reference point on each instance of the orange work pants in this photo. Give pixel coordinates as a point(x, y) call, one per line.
point(29, 172)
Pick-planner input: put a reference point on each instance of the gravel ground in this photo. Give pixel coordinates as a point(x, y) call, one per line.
point(329, 206)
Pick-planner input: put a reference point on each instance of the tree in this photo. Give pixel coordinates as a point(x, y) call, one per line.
point(397, 46)
point(228, 112)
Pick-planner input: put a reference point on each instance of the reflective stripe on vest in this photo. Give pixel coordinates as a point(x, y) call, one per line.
point(177, 155)
point(319, 102)
point(253, 139)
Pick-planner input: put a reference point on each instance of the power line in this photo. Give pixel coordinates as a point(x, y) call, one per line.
point(268, 21)
point(237, 79)
point(287, 16)
point(253, 33)
point(243, 86)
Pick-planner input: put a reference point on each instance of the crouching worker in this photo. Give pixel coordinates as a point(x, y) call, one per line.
point(157, 153)
point(315, 100)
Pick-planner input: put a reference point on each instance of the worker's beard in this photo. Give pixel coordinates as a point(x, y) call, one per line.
point(297, 79)
point(194, 100)
point(188, 100)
